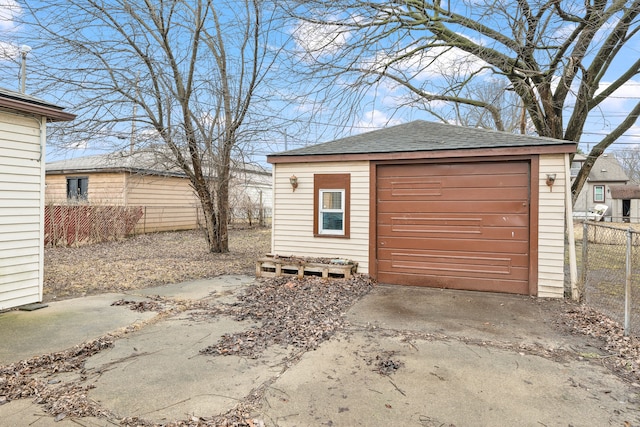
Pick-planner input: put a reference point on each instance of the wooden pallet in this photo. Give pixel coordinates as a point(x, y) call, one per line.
point(276, 267)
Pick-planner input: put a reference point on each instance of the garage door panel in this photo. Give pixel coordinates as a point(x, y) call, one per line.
point(452, 249)
point(395, 258)
point(461, 226)
point(454, 169)
point(453, 232)
point(445, 270)
point(425, 185)
point(452, 282)
point(457, 206)
point(450, 221)
point(455, 193)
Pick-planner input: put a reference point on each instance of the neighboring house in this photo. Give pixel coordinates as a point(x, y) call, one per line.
point(23, 136)
point(141, 179)
point(627, 197)
point(430, 204)
point(597, 190)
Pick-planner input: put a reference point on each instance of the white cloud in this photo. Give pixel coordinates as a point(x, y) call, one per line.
point(375, 119)
point(9, 10)
point(8, 51)
point(625, 95)
point(318, 40)
point(428, 64)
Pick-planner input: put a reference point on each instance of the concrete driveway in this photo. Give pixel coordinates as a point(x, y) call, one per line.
point(409, 357)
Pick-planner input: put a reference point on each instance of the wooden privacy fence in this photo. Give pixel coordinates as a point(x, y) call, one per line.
point(67, 225)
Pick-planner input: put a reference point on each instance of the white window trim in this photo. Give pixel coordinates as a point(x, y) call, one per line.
point(594, 194)
point(321, 210)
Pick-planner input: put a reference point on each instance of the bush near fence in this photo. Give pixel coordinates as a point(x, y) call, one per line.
point(67, 225)
point(610, 283)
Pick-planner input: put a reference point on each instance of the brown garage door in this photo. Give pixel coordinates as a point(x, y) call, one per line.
point(460, 226)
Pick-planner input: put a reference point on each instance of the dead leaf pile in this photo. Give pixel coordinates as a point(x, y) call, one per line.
point(30, 379)
point(291, 312)
point(234, 418)
point(312, 260)
point(624, 350)
point(156, 304)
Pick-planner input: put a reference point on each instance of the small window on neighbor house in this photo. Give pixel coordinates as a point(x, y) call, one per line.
point(598, 193)
point(331, 205)
point(77, 188)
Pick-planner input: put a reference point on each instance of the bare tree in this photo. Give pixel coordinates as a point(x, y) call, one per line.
point(556, 56)
point(630, 161)
point(176, 77)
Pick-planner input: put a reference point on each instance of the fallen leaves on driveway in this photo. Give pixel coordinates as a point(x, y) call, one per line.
point(292, 312)
point(29, 379)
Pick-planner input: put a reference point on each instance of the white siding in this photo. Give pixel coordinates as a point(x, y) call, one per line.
point(293, 213)
point(551, 227)
point(21, 210)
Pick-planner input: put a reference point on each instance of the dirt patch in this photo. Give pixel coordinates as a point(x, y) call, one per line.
point(148, 260)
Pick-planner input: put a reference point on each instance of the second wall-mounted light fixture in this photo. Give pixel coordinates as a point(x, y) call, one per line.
point(293, 180)
point(551, 179)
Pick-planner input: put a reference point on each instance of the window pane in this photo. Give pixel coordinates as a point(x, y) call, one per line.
point(332, 220)
point(598, 195)
point(332, 200)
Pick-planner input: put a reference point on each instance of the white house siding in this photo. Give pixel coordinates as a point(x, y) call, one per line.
point(551, 227)
point(292, 222)
point(21, 210)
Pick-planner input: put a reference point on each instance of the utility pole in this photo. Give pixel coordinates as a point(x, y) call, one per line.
point(24, 50)
point(133, 120)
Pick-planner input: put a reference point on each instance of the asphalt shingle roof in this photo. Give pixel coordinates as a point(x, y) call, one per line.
point(421, 135)
point(149, 162)
point(607, 168)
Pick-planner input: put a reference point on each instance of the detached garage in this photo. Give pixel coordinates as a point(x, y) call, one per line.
point(429, 204)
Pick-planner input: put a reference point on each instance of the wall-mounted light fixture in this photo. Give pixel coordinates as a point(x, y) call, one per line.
point(293, 180)
point(551, 179)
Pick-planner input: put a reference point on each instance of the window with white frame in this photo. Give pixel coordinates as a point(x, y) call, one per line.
point(598, 193)
point(331, 212)
point(332, 205)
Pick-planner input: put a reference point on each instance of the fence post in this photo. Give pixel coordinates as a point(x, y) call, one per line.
point(627, 286)
point(585, 254)
point(261, 213)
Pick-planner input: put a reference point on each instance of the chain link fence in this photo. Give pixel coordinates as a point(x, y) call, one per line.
point(610, 271)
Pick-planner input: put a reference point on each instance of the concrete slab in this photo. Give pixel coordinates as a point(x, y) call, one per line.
point(18, 413)
point(442, 383)
point(216, 287)
point(458, 355)
point(157, 373)
point(61, 325)
point(475, 315)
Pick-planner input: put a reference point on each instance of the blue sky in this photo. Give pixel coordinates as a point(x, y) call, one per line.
point(380, 104)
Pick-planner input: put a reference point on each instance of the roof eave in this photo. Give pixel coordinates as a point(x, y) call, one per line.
point(52, 113)
point(569, 147)
point(135, 171)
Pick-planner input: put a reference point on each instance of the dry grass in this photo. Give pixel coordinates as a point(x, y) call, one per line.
point(148, 260)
